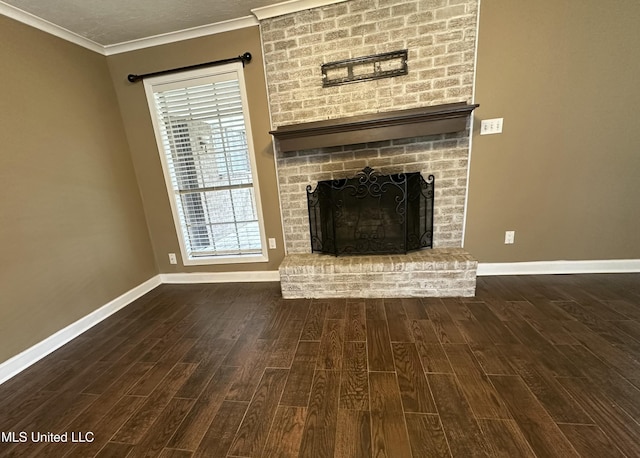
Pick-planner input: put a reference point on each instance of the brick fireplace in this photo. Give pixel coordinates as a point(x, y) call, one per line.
point(440, 38)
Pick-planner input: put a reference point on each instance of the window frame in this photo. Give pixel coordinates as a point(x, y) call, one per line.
point(186, 77)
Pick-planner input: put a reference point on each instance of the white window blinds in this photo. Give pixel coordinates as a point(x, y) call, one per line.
point(201, 125)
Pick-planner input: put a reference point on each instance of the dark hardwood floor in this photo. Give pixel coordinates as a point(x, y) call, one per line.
point(545, 366)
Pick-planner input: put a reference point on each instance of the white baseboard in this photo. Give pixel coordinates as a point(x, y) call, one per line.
point(559, 267)
point(221, 277)
point(34, 354)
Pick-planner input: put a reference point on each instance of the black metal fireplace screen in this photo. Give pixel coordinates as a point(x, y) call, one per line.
point(371, 214)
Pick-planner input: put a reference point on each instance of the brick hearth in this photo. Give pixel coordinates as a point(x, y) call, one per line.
point(442, 272)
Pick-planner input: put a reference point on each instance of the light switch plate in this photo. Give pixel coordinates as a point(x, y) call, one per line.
point(491, 126)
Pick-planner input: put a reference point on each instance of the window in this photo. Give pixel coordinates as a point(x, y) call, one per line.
point(204, 139)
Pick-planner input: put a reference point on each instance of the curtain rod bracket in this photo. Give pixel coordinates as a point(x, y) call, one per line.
point(245, 58)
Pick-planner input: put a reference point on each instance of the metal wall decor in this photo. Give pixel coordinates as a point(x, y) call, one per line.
point(366, 68)
point(371, 214)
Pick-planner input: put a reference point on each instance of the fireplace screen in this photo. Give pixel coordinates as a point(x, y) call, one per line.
point(371, 214)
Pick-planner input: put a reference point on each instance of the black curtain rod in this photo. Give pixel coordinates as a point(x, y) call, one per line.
point(245, 58)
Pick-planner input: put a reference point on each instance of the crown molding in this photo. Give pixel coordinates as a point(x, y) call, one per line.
point(180, 35)
point(48, 27)
point(291, 6)
point(266, 12)
point(133, 45)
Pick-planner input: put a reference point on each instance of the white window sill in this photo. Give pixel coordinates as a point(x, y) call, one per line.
point(236, 259)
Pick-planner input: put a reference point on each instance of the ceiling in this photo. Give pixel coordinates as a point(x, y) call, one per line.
point(109, 22)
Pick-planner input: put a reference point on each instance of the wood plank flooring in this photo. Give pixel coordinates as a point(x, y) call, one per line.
point(533, 366)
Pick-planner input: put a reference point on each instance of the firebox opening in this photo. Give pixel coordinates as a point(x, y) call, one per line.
point(371, 214)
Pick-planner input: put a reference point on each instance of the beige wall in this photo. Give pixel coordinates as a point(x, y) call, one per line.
point(565, 174)
point(71, 221)
point(137, 121)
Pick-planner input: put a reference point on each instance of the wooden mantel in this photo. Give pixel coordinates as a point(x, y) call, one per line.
point(414, 122)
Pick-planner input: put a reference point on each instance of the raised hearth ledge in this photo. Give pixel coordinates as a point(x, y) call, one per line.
point(414, 122)
point(439, 272)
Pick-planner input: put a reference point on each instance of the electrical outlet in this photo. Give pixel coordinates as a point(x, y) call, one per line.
point(491, 126)
point(172, 258)
point(509, 237)
point(272, 244)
